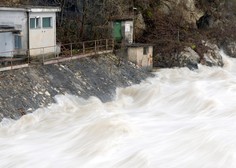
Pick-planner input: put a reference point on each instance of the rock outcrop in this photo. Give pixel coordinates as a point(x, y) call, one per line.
point(139, 25)
point(229, 48)
point(212, 57)
point(186, 8)
point(190, 58)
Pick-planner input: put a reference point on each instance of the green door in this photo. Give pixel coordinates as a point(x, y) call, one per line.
point(117, 31)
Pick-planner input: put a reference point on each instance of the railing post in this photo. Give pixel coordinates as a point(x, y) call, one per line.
point(106, 44)
point(95, 47)
point(113, 44)
point(11, 59)
point(55, 51)
point(83, 48)
point(28, 55)
point(71, 49)
point(43, 55)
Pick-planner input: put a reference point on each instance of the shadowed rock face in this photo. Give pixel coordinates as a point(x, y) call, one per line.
point(24, 90)
point(186, 8)
point(206, 21)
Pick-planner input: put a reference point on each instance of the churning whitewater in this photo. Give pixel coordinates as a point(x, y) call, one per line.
point(179, 119)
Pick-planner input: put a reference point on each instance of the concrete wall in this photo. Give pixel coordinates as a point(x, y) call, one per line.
point(137, 56)
point(132, 54)
point(24, 90)
point(43, 38)
point(18, 19)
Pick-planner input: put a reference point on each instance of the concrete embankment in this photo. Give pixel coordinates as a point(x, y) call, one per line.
point(24, 90)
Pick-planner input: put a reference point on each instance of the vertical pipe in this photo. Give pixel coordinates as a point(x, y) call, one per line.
point(28, 31)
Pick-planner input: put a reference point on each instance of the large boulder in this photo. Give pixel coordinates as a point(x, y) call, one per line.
point(190, 58)
point(212, 57)
point(229, 48)
point(187, 58)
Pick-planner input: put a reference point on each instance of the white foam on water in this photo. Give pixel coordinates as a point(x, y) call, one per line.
point(179, 119)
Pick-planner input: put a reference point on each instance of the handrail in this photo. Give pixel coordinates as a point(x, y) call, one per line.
point(46, 53)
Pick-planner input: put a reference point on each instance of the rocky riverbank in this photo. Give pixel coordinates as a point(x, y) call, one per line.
point(24, 90)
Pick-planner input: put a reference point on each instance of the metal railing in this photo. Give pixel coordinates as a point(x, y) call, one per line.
point(59, 52)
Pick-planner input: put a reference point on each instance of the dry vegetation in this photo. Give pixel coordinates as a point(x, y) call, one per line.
point(170, 34)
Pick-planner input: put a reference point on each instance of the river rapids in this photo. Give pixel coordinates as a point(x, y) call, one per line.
point(178, 119)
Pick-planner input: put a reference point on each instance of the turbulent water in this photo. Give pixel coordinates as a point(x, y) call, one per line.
point(179, 119)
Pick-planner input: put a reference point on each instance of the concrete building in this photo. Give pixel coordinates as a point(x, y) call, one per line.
point(123, 30)
point(141, 55)
point(26, 29)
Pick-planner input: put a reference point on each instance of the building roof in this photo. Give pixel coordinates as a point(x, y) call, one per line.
point(122, 18)
point(32, 8)
point(8, 28)
point(139, 45)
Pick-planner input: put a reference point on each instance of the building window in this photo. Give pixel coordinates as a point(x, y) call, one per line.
point(145, 50)
point(18, 42)
point(34, 23)
point(47, 22)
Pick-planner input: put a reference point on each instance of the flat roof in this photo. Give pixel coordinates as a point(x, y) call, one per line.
point(139, 45)
point(31, 8)
point(9, 30)
point(122, 18)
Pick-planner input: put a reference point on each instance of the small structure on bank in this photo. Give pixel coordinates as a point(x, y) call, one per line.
point(27, 29)
point(141, 54)
point(122, 30)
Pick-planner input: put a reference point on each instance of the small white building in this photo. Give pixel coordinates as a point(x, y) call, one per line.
point(141, 55)
point(26, 29)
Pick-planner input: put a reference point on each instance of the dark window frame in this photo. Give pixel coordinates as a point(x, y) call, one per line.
point(145, 50)
point(35, 23)
point(44, 25)
point(18, 41)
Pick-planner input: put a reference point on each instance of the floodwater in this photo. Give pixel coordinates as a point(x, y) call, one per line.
point(179, 119)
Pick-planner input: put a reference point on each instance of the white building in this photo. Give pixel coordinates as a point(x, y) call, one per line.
point(25, 29)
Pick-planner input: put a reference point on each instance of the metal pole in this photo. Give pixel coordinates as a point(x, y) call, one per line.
point(55, 51)
point(43, 55)
point(95, 46)
point(83, 48)
point(71, 49)
point(106, 44)
point(178, 35)
point(28, 56)
point(11, 58)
